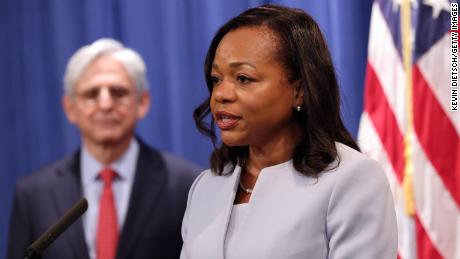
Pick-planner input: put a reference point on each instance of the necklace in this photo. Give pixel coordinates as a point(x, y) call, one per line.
point(244, 189)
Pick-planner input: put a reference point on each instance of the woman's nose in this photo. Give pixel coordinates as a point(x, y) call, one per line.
point(224, 92)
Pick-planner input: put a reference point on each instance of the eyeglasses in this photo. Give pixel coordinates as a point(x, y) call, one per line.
point(118, 95)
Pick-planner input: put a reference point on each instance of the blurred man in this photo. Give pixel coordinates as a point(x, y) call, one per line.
point(136, 195)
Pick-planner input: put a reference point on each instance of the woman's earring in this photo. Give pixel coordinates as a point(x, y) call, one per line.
point(298, 108)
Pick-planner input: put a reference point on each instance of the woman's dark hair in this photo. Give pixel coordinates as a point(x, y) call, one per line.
point(303, 52)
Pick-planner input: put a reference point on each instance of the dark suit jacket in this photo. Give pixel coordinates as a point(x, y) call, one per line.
point(153, 221)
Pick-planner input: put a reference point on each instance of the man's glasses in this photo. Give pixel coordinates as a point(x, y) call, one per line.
point(118, 95)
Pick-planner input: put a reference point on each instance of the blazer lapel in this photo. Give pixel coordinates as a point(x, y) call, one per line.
point(148, 181)
point(229, 192)
point(66, 193)
point(224, 190)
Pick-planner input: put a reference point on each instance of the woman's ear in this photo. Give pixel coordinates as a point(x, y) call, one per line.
point(298, 94)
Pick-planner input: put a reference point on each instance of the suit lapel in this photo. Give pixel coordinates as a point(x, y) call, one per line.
point(228, 194)
point(66, 193)
point(148, 182)
point(213, 226)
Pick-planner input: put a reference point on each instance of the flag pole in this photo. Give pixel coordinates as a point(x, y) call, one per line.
point(406, 33)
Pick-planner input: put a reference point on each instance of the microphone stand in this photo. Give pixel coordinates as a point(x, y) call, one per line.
point(36, 248)
point(31, 254)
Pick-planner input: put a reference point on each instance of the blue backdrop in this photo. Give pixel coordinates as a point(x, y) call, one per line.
point(38, 36)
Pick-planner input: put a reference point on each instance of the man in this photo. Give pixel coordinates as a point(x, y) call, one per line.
point(136, 195)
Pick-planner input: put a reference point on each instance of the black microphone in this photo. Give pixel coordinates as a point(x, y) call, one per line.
point(36, 249)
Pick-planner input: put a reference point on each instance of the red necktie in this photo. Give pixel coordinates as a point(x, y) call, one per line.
point(107, 232)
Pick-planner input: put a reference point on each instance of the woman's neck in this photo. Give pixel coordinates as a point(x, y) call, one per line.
point(275, 152)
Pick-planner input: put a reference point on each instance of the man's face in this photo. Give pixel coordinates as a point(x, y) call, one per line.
point(104, 104)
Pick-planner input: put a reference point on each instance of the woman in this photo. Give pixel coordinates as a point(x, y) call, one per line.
point(288, 180)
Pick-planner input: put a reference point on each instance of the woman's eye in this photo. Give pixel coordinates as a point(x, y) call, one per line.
point(215, 80)
point(244, 79)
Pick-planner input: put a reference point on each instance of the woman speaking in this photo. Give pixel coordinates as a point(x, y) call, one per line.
point(288, 180)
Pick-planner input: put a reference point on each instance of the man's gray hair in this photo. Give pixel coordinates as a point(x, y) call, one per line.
point(130, 59)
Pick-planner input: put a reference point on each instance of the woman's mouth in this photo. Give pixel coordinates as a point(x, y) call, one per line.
point(225, 120)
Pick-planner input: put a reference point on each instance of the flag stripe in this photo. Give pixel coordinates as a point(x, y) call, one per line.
point(384, 121)
point(386, 61)
point(371, 145)
point(436, 208)
point(437, 75)
point(425, 250)
point(438, 137)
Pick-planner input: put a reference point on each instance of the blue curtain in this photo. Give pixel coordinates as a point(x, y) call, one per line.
point(38, 36)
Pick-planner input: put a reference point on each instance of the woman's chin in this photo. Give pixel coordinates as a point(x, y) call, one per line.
point(232, 141)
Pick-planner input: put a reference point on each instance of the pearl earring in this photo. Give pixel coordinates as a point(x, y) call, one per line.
point(298, 108)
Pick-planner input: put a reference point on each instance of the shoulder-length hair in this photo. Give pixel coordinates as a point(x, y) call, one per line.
point(303, 52)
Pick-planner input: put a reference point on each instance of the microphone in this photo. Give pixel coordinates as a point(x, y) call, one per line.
point(36, 249)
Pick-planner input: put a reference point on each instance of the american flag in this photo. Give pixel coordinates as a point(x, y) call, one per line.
point(408, 126)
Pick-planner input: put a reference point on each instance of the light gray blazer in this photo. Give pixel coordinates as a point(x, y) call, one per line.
point(347, 212)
